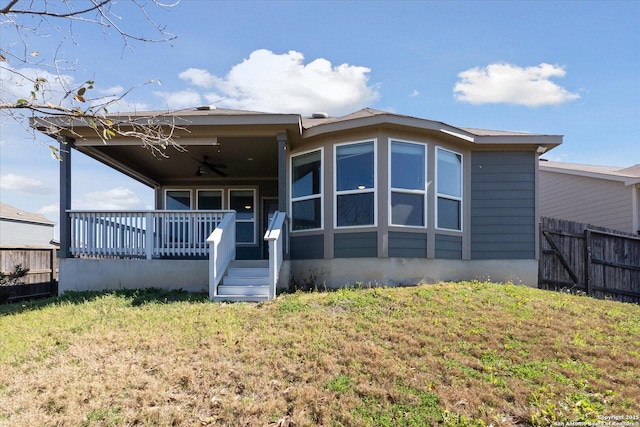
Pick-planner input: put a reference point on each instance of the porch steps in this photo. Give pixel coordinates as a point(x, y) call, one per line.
point(246, 280)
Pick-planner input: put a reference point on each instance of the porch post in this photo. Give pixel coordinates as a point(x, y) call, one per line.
point(65, 196)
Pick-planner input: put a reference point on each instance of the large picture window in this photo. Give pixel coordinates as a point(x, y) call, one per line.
point(355, 178)
point(306, 191)
point(244, 203)
point(449, 190)
point(408, 189)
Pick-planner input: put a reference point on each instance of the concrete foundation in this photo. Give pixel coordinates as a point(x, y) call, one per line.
point(112, 274)
point(192, 275)
point(336, 273)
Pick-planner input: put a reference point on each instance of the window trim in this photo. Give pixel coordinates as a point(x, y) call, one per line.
point(222, 194)
point(337, 193)
point(309, 197)
point(439, 195)
point(255, 214)
point(409, 191)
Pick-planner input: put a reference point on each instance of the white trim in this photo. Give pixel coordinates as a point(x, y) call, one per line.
point(309, 197)
point(221, 190)
point(374, 190)
point(256, 213)
point(447, 196)
point(422, 192)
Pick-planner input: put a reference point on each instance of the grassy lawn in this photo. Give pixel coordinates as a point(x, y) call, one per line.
point(450, 354)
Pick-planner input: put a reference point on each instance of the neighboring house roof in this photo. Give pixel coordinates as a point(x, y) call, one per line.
point(14, 214)
point(628, 176)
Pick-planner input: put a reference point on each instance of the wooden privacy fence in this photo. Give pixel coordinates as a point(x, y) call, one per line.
point(42, 278)
point(600, 262)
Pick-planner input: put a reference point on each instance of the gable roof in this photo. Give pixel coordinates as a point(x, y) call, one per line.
point(14, 214)
point(628, 176)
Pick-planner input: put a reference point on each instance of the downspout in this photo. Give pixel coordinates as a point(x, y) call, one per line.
point(283, 197)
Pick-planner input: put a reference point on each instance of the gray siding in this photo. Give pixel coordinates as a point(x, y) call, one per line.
point(407, 245)
point(448, 247)
point(356, 245)
point(503, 192)
point(307, 247)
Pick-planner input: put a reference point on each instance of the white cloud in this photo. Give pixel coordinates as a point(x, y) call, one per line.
point(507, 83)
point(112, 91)
point(198, 77)
point(281, 84)
point(18, 83)
point(182, 99)
point(50, 210)
point(23, 184)
point(119, 198)
point(414, 93)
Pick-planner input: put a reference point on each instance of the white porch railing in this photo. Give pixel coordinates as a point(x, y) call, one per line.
point(275, 237)
point(222, 243)
point(142, 234)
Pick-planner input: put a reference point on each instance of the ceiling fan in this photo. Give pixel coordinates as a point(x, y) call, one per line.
point(206, 168)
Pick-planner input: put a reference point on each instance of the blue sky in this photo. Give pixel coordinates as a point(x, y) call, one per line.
point(568, 67)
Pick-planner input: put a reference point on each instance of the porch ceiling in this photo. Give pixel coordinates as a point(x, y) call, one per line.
point(240, 158)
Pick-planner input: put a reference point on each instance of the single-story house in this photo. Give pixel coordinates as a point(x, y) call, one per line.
point(19, 227)
point(372, 197)
point(606, 196)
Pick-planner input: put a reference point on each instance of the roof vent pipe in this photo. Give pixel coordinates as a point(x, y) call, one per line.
point(319, 115)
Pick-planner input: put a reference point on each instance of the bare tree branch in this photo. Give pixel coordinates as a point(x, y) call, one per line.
point(50, 101)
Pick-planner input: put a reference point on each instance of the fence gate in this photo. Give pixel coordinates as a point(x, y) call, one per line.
point(580, 257)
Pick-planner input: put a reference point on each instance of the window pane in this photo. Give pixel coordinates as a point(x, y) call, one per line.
point(210, 200)
point(242, 202)
point(354, 166)
point(244, 232)
point(449, 214)
point(355, 209)
point(178, 200)
point(306, 174)
point(407, 165)
point(306, 214)
point(407, 209)
point(449, 173)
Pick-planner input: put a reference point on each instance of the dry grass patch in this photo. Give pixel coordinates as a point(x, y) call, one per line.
point(449, 354)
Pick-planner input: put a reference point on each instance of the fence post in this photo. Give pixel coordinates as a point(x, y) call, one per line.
point(587, 261)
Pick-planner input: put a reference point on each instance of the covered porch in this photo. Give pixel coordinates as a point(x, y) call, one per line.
point(219, 197)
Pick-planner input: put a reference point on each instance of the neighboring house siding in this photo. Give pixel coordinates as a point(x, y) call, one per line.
point(307, 247)
point(503, 220)
point(448, 247)
point(584, 199)
point(407, 245)
point(21, 233)
point(356, 245)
